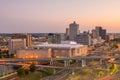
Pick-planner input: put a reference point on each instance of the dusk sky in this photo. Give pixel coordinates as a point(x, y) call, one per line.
point(55, 15)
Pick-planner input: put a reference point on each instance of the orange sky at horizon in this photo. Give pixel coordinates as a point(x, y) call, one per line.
point(56, 15)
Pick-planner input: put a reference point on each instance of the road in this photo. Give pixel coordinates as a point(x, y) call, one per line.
point(9, 77)
point(55, 67)
point(61, 75)
point(54, 59)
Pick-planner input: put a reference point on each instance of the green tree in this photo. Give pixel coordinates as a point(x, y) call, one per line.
point(26, 71)
point(32, 67)
point(16, 67)
point(0, 55)
point(20, 71)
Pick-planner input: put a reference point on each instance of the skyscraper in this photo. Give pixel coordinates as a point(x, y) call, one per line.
point(73, 30)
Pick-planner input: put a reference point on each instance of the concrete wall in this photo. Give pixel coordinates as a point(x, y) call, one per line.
point(52, 52)
point(33, 53)
point(60, 53)
point(82, 51)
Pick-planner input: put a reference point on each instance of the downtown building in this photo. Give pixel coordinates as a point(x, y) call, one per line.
point(55, 38)
point(15, 44)
point(73, 31)
point(65, 49)
point(19, 41)
point(99, 32)
point(84, 38)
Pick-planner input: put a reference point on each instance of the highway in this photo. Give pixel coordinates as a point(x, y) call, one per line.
point(54, 59)
point(50, 66)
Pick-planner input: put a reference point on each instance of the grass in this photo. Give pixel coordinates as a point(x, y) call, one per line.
point(87, 74)
point(32, 76)
point(36, 75)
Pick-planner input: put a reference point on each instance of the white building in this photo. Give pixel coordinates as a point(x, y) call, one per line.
point(53, 50)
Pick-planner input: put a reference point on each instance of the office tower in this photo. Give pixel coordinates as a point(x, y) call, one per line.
point(99, 32)
point(84, 39)
point(73, 30)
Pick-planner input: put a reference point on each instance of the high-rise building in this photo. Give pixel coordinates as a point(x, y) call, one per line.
point(73, 30)
point(84, 39)
point(15, 44)
point(99, 32)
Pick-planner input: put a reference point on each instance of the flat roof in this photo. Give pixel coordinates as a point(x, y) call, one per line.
point(58, 45)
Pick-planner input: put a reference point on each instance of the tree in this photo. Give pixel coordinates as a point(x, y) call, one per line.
point(20, 71)
point(16, 67)
point(0, 55)
point(32, 67)
point(26, 71)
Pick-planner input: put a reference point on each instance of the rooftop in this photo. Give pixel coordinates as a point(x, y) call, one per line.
point(58, 45)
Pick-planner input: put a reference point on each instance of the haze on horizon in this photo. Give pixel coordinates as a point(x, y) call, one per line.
point(55, 15)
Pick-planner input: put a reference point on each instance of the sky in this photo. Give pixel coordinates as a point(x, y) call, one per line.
point(41, 16)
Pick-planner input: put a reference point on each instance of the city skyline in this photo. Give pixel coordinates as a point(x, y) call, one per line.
point(27, 16)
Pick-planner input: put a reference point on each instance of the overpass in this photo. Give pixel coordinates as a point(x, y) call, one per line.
point(51, 60)
point(50, 66)
point(54, 59)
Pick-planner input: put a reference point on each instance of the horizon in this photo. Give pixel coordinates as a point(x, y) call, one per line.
point(54, 16)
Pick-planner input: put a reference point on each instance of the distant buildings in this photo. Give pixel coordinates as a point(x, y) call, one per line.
point(99, 32)
point(28, 40)
point(27, 37)
point(19, 41)
point(64, 49)
point(15, 44)
point(55, 37)
point(73, 30)
point(60, 37)
point(84, 39)
point(67, 33)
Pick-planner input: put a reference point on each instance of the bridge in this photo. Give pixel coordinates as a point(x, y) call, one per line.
point(82, 60)
point(54, 59)
point(50, 66)
point(51, 60)
point(66, 60)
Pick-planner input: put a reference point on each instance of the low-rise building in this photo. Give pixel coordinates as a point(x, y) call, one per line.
point(15, 44)
point(53, 50)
